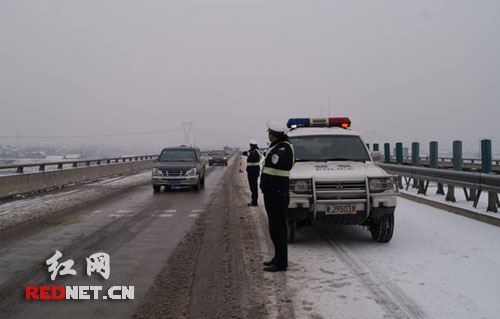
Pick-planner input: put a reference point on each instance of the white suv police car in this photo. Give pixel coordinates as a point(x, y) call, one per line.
point(336, 181)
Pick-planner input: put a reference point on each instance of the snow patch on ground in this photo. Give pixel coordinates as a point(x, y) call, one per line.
point(33, 207)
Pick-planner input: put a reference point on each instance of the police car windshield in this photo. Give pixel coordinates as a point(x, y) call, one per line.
point(329, 148)
point(178, 155)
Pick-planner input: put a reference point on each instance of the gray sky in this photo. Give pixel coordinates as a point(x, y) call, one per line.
point(401, 70)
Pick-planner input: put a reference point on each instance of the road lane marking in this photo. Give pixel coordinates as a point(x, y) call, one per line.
point(193, 215)
point(123, 211)
point(96, 212)
point(196, 211)
point(165, 215)
point(168, 211)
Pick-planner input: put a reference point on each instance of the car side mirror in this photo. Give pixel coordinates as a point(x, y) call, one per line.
point(377, 156)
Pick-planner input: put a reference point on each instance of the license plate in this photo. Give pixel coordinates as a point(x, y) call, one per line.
point(339, 209)
point(174, 182)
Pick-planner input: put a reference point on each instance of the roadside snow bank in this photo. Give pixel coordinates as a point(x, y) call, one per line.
point(34, 207)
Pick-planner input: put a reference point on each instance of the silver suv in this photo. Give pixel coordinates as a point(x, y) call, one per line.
point(179, 166)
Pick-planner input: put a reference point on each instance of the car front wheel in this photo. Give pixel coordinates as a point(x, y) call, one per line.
point(198, 185)
point(382, 228)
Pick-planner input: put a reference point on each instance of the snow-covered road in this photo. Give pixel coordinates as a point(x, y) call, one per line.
point(438, 265)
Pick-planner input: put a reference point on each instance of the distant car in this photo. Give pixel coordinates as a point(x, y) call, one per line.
point(179, 166)
point(217, 157)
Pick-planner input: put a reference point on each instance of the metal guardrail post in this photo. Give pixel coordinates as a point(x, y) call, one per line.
point(368, 145)
point(457, 166)
point(433, 154)
point(487, 161)
point(399, 153)
point(457, 155)
point(415, 161)
point(387, 153)
point(375, 147)
point(434, 163)
point(415, 154)
point(486, 157)
point(399, 161)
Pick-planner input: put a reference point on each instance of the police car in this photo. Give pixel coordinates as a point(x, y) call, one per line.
point(336, 181)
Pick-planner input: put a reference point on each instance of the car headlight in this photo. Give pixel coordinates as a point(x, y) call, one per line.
point(157, 172)
point(300, 186)
point(210, 158)
point(191, 172)
point(380, 184)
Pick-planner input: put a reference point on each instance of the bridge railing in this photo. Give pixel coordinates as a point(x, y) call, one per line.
point(448, 160)
point(486, 164)
point(57, 174)
point(20, 168)
point(472, 183)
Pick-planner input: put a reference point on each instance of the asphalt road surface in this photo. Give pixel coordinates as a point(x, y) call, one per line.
point(199, 255)
point(181, 250)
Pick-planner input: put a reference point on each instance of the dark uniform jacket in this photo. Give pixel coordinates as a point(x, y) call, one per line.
point(280, 156)
point(253, 157)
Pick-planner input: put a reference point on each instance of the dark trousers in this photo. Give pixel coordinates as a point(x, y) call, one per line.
point(276, 208)
point(253, 175)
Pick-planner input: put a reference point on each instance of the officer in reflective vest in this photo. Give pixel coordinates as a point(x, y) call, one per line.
point(274, 183)
point(253, 170)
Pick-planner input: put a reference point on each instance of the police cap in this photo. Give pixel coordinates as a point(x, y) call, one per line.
point(277, 127)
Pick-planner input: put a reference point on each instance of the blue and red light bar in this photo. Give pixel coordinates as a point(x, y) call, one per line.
point(298, 122)
point(343, 122)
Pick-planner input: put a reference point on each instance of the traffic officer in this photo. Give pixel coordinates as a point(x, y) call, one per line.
point(253, 170)
point(274, 184)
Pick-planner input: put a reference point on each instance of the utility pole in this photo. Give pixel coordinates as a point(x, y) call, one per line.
point(187, 126)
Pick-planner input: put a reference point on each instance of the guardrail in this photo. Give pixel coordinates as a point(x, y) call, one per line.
point(76, 163)
point(448, 160)
point(486, 164)
point(468, 164)
point(21, 182)
point(475, 182)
